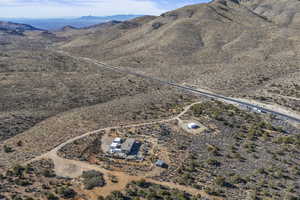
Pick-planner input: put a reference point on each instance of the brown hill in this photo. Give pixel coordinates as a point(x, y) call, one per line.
point(226, 46)
point(39, 87)
point(284, 13)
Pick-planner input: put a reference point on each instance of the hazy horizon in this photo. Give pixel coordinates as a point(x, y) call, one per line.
point(57, 9)
point(78, 22)
point(68, 17)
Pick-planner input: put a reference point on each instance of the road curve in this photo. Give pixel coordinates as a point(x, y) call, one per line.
point(186, 88)
point(59, 147)
point(73, 168)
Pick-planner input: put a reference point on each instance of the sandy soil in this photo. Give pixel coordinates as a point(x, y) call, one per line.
point(184, 125)
point(73, 169)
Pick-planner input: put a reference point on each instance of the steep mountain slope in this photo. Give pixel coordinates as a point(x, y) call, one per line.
point(226, 46)
point(284, 13)
point(223, 46)
point(40, 86)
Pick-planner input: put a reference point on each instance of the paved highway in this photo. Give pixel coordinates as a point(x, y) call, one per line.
point(190, 89)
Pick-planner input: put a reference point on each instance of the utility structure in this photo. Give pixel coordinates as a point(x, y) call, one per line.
point(193, 126)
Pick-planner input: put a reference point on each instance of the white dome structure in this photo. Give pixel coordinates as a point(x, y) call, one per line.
point(193, 126)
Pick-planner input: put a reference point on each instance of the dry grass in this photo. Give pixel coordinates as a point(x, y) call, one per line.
point(228, 49)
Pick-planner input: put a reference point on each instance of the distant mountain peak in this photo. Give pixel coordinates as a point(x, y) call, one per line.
point(69, 27)
point(113, 17)
point(70, 23)
point(16, 28)
point(89, 17)
point(13, 26)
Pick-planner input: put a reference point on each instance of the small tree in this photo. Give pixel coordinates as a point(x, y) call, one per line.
point(92, 179)
point(7, 149)
point(220, 180)
point(66, 192)
point(19, 143)
point(51, 196)
point(18, 170)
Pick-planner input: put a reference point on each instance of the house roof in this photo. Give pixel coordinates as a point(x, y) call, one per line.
point(117, 140)
point(128, 144)
point(114, 145)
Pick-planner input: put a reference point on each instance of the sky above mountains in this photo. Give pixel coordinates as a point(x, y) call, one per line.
point(75, 8)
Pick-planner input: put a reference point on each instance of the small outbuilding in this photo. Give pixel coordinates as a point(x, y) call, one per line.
point(193, 126)
point(161, 163)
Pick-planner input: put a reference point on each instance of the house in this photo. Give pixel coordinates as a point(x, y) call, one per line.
point(193, 126)
point(124, 147)
point(115, 146)
point(128, 145)
point(115, 150)
point(117, 140)
point(162, 164)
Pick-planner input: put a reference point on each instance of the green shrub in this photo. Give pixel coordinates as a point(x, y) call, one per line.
point(48, 173)
point(8, 149)
point(212, 191)
point(220, 180)
point(51, 196)
point(28, 198)
point(19, 143)
point(18, 170)
point(261, 171)
point(236, 179)
point(17, 198)
point(142, 183)
point(92, 179)
point(213, 162)
point(22, 182)
point(66, 192)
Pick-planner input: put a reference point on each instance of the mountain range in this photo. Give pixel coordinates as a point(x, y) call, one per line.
point(58, 23)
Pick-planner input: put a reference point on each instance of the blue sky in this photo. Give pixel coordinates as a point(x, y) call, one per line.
point(75, 8)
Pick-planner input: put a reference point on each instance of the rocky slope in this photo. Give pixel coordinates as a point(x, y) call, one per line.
point(285, 13)
point(226, 46)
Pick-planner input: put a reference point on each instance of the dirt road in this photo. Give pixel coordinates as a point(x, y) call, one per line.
point(200, 92)
point(73, 169)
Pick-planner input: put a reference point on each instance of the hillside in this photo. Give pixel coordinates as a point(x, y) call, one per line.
point(15, 28)
point(60, 111)
point(39, 86)
point(283, 13)
point(223, 46)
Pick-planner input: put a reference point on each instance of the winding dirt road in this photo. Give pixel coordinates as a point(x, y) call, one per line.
point(73, 168)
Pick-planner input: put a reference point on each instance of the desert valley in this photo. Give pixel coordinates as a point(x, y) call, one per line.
point(202, 102)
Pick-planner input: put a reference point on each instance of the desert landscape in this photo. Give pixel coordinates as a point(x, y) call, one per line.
point(202, 102)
